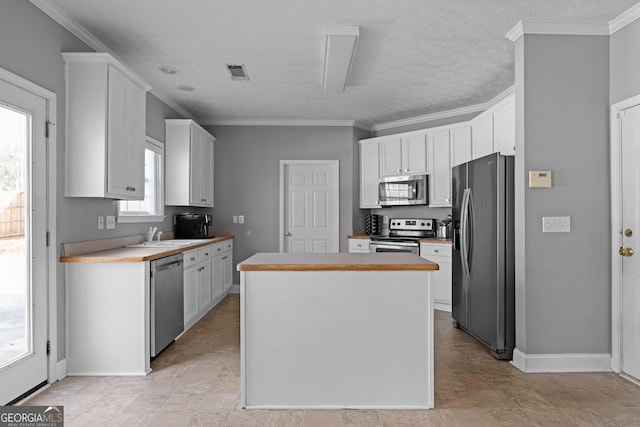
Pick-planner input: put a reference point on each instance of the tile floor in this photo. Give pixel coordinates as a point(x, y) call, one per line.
point(196, 382)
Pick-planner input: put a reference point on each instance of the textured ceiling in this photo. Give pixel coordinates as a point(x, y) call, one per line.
point(414, 57)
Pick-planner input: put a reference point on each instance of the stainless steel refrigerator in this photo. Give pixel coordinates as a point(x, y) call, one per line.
point(483, 272)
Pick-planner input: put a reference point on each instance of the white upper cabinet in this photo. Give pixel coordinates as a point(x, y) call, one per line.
point(105, 125)
point(460, 142)
point(189, 164)
point(482, 135)
point(369, 173)
point(403, 155)
point(494, 130)
point(504, 126)
point(439, 168)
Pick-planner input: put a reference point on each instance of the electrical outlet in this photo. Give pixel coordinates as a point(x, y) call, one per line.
point(100, 223)
point(235, 219)
point(111, 222)
point(241, 219)
point(556, 224)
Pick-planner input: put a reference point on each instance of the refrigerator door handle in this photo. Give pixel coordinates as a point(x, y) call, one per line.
point(470, 230)
point(464, 231)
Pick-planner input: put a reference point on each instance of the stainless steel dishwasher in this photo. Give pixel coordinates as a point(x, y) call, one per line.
point(167, 302)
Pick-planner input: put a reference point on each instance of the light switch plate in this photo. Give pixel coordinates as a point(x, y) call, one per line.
point(556, 224)
point(240, 219)
point(539, 179)
point(111, 222)
point(100, 223)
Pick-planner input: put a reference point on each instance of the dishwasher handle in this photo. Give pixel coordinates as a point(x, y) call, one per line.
point(169, 266)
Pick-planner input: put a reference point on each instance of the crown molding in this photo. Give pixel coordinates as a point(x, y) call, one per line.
point(478, 108)
point(63, 18)
point(624, 19)
point(280, 122)
point(558, 28)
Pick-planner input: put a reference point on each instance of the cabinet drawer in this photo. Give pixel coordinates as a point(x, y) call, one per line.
point(359, 244)
point(190, 258)
point(228, 246)
point(435, 249)
point(217, 248)
point(205, 253)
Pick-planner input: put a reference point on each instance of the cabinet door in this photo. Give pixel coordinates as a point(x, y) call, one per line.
point(439, 169)
point(191, 300)
point(442, 282)
point(218, 277)
point(195, 174)
point(125, 143)
point(504, 127)
point(207, 172)
point(482, 135)
point(117, 134)
point(135, 126)
point(227, 259)
point(204, 281)
point(414, 154)
point(391, 156)
point(369, 174)
point(460, 143)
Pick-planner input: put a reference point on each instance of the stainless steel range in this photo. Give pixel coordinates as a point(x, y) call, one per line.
point(404, 235)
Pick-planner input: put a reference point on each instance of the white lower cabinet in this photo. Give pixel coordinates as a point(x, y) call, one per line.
point(440, 253)
point(359, 245)
point(205, 273)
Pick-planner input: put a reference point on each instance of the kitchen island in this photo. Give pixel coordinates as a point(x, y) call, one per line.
point(336, 330)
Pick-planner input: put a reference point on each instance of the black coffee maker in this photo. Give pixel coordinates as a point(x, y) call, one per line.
point(191, 226)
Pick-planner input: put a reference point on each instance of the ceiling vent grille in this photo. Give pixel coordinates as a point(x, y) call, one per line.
point(237, 72)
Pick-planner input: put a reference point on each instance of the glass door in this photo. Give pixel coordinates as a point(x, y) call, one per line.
point(23, 216)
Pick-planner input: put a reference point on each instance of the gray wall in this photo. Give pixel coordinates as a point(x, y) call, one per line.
point(247, 162)
point(563, 86)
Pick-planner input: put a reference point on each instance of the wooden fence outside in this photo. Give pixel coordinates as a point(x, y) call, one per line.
point(11, 213)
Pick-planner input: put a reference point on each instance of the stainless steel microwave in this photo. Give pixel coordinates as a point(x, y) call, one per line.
point(403, 190)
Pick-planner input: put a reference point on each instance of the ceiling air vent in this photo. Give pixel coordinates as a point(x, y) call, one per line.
point(237, 72)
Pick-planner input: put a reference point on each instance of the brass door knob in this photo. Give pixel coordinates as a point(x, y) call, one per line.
point(625, 251)
point(288, 233)
point(628, 232)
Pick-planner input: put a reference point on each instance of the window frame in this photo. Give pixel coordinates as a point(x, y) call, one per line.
point(133, 216)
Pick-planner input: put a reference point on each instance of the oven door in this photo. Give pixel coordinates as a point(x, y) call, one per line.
point(407, 247)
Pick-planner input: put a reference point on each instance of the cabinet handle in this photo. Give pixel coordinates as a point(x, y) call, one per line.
point(224, 257)
point(406, 170)
point(436, 251)
point(399, 170)
point(206, 254)
point(193, 259)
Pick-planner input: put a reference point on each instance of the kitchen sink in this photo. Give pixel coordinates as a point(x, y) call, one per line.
point(175, 243)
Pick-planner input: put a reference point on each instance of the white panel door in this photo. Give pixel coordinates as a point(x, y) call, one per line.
point(309, 211)
point(630, 325)
point(23, 265)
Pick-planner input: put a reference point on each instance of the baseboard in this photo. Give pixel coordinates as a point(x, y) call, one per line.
point(563, 362)
point(442, 306)
point(61, 370)
point(235, 289)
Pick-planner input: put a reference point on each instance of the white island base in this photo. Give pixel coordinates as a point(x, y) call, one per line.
point(337, 338)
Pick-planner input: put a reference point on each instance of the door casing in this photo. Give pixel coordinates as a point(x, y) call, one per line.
point(616, 228)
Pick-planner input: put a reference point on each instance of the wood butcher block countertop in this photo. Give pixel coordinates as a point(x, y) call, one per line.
point(129, 254)
point(335, 261)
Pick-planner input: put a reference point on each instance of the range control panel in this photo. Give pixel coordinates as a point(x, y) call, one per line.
point(412, 224)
